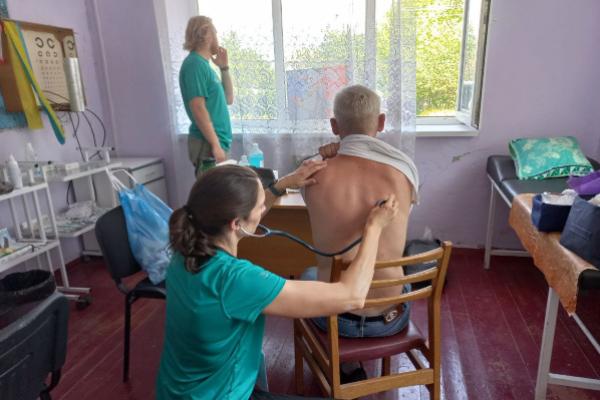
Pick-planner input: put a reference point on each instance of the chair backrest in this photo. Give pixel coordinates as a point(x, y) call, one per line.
point(431, 291)
point(111, 232)
point(32, 346)
point(435, 274)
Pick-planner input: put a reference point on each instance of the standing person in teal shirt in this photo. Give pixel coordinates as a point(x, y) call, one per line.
point(205, 96)
point(216, 302)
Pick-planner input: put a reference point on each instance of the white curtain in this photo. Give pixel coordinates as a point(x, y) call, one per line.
point(325, 54)
point(401, 105)
point(289, 58)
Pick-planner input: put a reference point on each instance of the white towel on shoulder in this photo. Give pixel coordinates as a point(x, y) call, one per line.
point(377, 150)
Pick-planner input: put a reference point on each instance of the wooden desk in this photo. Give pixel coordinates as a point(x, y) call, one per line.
point(280, 255)
point(562, 270)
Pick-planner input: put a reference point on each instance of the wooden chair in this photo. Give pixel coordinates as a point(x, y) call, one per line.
point(324, 351)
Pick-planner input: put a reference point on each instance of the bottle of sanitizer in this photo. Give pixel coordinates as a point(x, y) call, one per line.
point(256, 157)
point(14, 172)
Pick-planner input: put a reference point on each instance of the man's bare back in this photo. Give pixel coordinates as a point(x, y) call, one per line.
point(338, 207)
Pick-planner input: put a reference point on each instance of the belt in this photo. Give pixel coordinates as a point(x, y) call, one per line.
point(386, 317)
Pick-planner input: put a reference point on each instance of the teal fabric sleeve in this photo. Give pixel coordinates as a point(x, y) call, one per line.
point(195, 78)
point(248, 290)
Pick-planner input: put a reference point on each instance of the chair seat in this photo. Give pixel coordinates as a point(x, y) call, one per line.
point(373, 348)
point(145, 288)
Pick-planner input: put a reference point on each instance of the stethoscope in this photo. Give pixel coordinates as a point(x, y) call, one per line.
point(262, 232)
point(265, 231)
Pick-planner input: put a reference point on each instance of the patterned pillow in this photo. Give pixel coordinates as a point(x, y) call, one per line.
point(542, 158)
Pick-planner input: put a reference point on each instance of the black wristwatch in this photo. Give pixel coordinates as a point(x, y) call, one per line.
point(276, 191)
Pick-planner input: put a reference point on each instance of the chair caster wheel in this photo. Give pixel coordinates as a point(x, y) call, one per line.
point(83, 302)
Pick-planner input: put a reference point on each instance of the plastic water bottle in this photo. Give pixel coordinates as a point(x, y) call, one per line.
point(14, 172)
point(244, 161)
point(256, 157)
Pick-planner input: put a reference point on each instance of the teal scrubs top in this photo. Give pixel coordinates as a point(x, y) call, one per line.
point(214, 328)
point(198, 79)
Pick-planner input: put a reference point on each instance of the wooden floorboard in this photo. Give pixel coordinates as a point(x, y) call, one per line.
point(492, 325)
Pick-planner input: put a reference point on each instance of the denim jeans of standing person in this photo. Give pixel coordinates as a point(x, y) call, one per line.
point(356, 326)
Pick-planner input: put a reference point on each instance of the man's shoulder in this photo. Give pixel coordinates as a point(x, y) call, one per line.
point(340, 175)
point(349, 174)
point(325, 181)
point(328, 174)
point(359, 168)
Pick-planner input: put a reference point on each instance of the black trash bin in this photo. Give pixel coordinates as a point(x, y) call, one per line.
point(417, 246)
point(24, 287)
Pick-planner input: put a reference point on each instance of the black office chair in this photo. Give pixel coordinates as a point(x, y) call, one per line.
point(33, 344)
point(111, 233)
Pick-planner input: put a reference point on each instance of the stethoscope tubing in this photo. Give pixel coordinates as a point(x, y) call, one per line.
point(273, 232)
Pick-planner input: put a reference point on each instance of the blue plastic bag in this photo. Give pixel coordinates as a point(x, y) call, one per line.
point(147, 219)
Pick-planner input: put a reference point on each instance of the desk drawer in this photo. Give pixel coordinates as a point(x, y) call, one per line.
point(149, 172)
point(279, 255)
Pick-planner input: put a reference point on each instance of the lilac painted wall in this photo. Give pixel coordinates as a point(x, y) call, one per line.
point(177, 13)
point(73, 15)
point(136, 80)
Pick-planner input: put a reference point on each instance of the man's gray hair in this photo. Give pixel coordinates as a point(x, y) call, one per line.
point(356, 109)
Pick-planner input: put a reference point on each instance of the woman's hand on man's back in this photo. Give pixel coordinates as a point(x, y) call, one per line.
point(303, 176)
point(384, 212)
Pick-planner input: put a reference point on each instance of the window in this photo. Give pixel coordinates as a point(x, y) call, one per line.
point(277, 46)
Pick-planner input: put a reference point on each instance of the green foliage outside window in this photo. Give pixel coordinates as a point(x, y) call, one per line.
point(439, 26)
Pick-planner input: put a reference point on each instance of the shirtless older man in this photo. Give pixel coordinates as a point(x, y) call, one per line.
point(361, 172)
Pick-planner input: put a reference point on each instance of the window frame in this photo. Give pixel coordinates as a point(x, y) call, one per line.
point(465, 123)
point(470, 117)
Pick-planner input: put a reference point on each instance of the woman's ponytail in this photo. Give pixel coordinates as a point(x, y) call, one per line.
point(187, 238)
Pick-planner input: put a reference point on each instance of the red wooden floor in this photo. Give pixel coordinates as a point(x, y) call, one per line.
point(492, 326)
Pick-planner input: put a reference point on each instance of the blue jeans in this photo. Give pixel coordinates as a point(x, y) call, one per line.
point(358, 326)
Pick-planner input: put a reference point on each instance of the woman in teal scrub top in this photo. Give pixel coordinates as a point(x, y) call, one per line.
point(216, 302)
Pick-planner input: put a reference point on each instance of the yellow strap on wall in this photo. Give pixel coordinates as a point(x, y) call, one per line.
point(12, 32)
point(26, 96)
